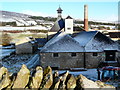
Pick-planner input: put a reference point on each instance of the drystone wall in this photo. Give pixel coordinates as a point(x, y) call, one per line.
point(42, 79)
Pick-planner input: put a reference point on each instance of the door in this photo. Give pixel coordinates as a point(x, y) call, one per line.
point(110, 55)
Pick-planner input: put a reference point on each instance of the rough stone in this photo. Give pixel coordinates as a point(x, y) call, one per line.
point(56, 74)
point(62, 80)
point(22, 78)
point(47, 78)
point(71, 82)
point(103, 85)
point(37, 79)
point(3, 70)
point(5, 81)
point(56, 81)
point(43, 80)
point(86, 84)
point(12, 77)
point(83, 82)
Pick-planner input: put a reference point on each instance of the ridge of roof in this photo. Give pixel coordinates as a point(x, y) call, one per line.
point(98, 45)
point(69, 17)
point(92, 38)
point(83, 39)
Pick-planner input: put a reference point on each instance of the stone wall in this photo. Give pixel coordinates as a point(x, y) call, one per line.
point(65, 61)
point(24, 48)
point(94, 61)
point(42, 79)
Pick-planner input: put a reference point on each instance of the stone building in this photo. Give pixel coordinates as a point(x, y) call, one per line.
point(26, 46)
point(85, 50)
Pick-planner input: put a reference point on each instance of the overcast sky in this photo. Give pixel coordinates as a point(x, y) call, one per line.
point(102, 11)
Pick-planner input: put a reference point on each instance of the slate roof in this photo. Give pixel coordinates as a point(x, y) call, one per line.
point(58, 25)
point(94, 41)
point(62, 43)
point(84, 37)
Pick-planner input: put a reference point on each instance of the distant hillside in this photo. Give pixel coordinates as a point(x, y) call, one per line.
point(8, 14)
point(20, 19)
point(16, 19)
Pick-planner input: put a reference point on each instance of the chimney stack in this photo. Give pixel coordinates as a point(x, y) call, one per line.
point(69, 25)
point(86, 17)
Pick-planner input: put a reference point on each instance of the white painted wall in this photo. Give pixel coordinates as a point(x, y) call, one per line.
point(69, 26)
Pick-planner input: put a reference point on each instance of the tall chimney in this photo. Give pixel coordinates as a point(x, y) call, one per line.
point(86, 17)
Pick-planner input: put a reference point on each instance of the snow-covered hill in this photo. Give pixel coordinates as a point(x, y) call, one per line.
point(19, 18)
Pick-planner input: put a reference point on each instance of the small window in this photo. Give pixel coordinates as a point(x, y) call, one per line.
point(95, 54)
point(73, 54)
point(69, 28)
point(55, 54)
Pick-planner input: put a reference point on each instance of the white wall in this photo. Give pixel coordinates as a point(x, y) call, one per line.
point(69, 26)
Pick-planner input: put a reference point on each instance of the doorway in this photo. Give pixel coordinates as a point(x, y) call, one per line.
point(110, 55)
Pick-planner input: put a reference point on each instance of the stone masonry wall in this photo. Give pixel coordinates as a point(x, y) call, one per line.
point(94, 61)
point(63, 61)
point(24, 48)
point(41, 79)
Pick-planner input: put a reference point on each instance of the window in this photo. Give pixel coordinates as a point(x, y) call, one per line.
point(73, 54)
point(95, 54)
point(55, 54)
point(69, 28)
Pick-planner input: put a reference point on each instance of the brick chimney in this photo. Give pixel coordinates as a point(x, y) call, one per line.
point(86, 17)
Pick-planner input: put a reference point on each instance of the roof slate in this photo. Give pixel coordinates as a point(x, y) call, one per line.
point(62, 43)
point(92, 41)
point(84, 37)
point(58, 25)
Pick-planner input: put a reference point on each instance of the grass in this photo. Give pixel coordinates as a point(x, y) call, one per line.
point(19, 36)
